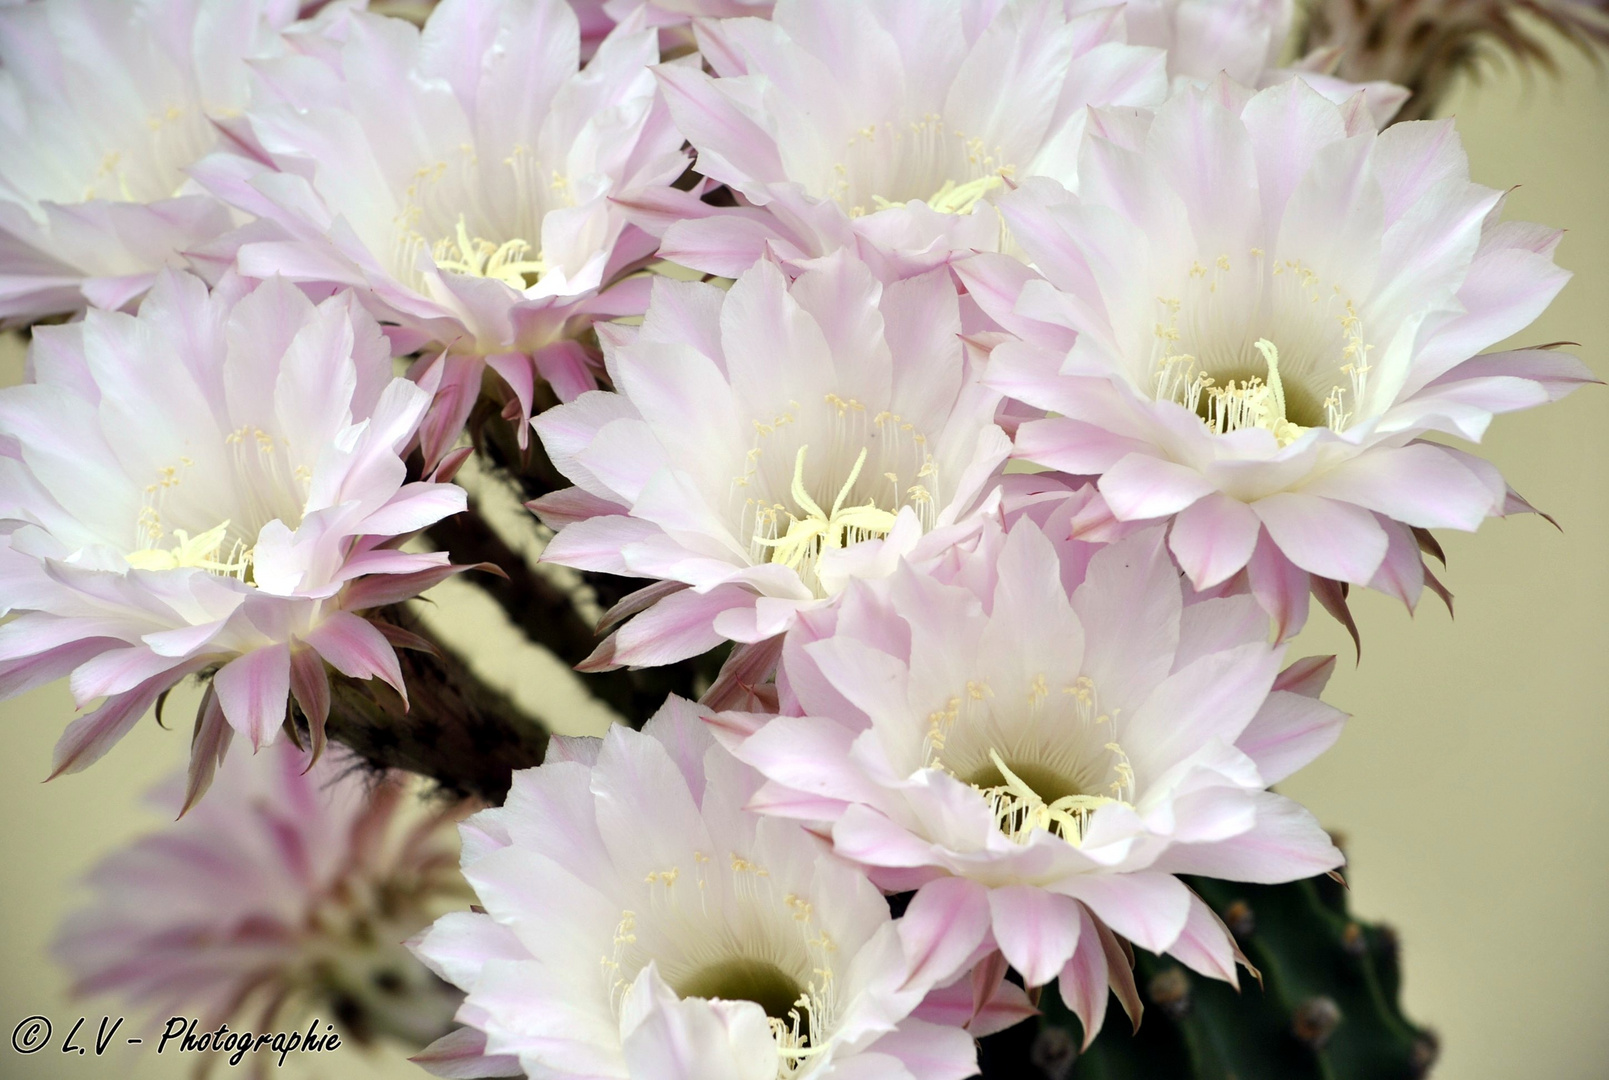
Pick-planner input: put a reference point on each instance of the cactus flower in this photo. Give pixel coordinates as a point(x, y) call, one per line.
point(106, 104)
point(639, 924)
point(288, 894)
point(1052, 759)
point(1252, 311)
point(214, 484)
point(766, 446)
point(460, 179)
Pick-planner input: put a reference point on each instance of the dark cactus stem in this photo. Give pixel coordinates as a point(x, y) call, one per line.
point(1425, 45)
point(544, 612)
point(466, 736)
point(1328, 1006)
point(547, 615)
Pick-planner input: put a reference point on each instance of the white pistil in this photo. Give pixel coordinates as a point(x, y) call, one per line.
point(266, 487)
point(475, 257)
point(1019, 811)
point(201, 551)
point(1189, 363)
point(820, 530)
point(779, 931)
point(953, 198)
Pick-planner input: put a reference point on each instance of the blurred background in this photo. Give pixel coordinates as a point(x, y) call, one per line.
point(1471, 786)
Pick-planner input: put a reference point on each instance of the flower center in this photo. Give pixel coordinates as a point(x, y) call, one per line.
point(265, 485)
point(152, 168)
point(821, 530)
point(475, 257)
point(205, 552)
point(1044, 761)
point(1306, 368)
point(890, 164)
point(1021, 808)
point(745, 978)
point(953, 198)
point(444, 196)
point(891, 469)
point(1251, 402)
point(731, 933)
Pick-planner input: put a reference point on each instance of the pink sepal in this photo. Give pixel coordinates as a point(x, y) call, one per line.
point(357, 650)
point(253, 689)
point(461, 1055)
point(90, 736)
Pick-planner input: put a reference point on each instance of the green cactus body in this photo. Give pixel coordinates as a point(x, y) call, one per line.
point(1327, 1008)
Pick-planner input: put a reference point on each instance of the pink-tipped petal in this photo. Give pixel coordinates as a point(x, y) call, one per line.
point(1330, 539)
point(942, 928)
point(1083, 981)
point(1140, 486)
point(1213, 539)
point(1286, 844)
point(1280, 586)
point(461, 1055)
point(1289, 731)
point(356, 649)
point(1205, 945)
point(253, 691)
point(1149, 909)
point(1035, 929)
point(90, 736)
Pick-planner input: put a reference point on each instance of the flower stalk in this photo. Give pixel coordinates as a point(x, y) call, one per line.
point(455, 729)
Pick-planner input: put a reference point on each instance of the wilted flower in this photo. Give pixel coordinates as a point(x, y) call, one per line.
point(288, 894)
point(212, 484)
point(1255, 307)
point(883, 127)
point(639, 923)
point(1426, 46)
point(460, 179)
point(1207, 38)
point(1245, 40)
point(1047, 763)
point(672, 17)
point(105, 104)
point(766, 446)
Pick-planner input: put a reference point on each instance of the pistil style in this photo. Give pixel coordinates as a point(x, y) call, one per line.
point(475, 257)
point(800, 548)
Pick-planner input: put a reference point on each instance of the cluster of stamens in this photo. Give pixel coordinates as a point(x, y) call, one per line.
point(928, 148)
point(474, 257)
point(823, 530)
point(1182, 376)
point(798, 535)
point(267, 487)
point(1080, 750)
point(786, 924)
point(179, 135)
point(1251, 403)
point(203, 551)
point(435, 197)
point(1020, 811)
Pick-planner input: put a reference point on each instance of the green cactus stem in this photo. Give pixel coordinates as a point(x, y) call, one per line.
point(1327, 1007)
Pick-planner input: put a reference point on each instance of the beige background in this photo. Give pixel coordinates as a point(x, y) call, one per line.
point(1470, 785)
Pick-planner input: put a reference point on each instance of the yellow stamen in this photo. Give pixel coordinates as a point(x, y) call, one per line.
point(819, 530)
point(475, 257)
point(953, 198)
point(1019, 811)
point(201, 551)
